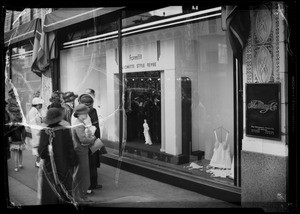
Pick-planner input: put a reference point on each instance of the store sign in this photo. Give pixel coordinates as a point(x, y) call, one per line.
point(263, 110)
point(150, 56)
point(141, 57)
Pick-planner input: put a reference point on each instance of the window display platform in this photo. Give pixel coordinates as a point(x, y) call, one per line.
point(139, 148)
point(151, 154)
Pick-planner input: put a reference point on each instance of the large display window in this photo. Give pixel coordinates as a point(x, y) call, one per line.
point(177, 94)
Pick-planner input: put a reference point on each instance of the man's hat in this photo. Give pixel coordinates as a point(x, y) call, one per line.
point(69, 96)
point(86, 99)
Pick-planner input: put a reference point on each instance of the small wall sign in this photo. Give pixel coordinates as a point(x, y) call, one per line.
point(263, 110)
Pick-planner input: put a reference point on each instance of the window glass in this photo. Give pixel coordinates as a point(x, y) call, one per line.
point(177, 93)
point(85, 67)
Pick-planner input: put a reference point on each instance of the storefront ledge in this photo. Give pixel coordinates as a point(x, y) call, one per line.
point(174, 177)
point(157, 155)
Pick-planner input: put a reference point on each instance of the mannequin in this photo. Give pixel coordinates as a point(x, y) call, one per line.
point(146, 133)
point(221, 157)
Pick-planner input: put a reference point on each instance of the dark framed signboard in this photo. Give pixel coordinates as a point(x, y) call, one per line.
point(263, 110)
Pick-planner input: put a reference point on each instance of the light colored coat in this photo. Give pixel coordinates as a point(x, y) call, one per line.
point(81, 144)
point(35, 122)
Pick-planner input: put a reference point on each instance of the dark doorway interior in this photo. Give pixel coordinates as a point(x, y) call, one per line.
point(143, 101)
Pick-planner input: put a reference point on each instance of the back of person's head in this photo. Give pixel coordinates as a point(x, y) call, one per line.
point(90, 91)
point(55, 105)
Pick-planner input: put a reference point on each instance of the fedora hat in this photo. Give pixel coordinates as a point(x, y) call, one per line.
point(53, 115)
point(81, 109)
point(69, 96)
point(86, 99)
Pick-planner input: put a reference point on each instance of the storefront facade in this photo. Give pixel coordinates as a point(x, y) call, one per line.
point(176, 76)
point(178, 73)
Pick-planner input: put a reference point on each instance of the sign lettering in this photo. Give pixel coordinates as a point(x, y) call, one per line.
point(258, 104)
point(263, 110)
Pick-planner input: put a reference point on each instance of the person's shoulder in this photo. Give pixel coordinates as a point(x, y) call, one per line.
point(76, 122)
point(64, 123)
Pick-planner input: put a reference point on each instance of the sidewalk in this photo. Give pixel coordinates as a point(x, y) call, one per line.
point(120, 189)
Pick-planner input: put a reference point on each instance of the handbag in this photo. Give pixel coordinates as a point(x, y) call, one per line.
point(103, 150)
point(98, 144)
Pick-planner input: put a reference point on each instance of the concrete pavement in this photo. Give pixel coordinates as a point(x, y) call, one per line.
point(120, 189)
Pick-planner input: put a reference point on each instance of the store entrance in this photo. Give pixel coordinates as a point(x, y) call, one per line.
point(143, 102)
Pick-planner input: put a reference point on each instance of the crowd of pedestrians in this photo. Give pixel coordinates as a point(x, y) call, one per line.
point(61, 142)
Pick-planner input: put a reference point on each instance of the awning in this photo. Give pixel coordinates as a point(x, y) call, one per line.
point(68, 16)
point(22, 32)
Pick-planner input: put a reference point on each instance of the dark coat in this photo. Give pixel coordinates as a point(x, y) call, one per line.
point(64, 158)
point(68, 112)
point(7, 133)
point(95, 158)
point(17, 133)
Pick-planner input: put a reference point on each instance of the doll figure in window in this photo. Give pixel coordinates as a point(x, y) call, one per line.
point(146, 133)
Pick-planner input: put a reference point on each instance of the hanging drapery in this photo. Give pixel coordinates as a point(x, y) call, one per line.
point(43, 50)
point(237, 27)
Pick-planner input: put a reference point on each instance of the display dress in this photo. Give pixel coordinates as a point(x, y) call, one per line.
point(146, 133)
point(221, 156)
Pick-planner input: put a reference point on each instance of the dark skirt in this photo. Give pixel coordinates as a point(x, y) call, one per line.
point(83, 173)
point(48, 191)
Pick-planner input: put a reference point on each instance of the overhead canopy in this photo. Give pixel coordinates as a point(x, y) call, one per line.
point(68, 16)
point(24, 31)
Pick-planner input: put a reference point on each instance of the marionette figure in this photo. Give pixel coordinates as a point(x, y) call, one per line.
point(146, 133)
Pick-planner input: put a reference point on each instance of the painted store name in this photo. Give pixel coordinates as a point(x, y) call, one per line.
point(258, 104)
point(140, 65)
point(135, 57)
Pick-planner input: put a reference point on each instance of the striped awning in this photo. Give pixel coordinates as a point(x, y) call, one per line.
point(68, 16)
point(22, 32)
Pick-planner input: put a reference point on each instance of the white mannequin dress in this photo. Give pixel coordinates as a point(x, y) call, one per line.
point(221, 156)
point(146, 133)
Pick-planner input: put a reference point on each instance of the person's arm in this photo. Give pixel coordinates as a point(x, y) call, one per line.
point(84, 140)
point(95, 122)
point(38, 119)
point(70, 147)
point(43, 145)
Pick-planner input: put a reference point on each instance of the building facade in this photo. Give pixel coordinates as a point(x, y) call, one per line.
point(171, 73)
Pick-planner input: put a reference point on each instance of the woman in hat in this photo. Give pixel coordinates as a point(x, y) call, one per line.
point(68, 104)
point(35, 122)
point(55, 99)
point(49, 189)
point(94, 158)
point(7, 121)
point(17, 136)
point(81, 144)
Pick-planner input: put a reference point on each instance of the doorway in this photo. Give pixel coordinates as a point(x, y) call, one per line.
point(143, 102)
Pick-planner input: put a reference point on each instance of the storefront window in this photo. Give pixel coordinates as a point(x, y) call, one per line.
point(179, 119)
point(177, 94)
point(85, 67)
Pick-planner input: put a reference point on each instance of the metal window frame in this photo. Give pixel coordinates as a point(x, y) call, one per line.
point(195, 16)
